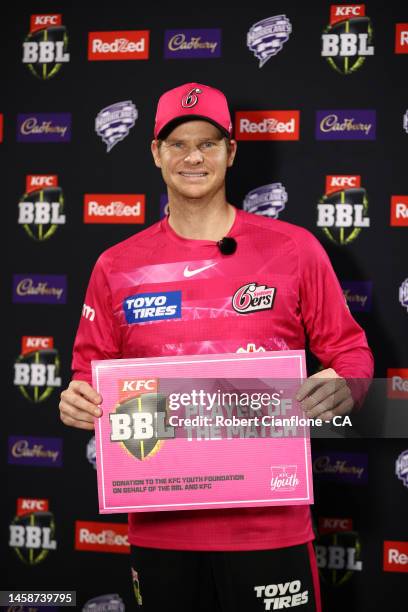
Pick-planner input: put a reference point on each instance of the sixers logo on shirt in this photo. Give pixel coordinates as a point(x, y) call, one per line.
point(146, 307)
point(252, 298)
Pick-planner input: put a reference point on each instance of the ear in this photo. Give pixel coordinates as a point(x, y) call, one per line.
point(155, 149)
point(232, 152)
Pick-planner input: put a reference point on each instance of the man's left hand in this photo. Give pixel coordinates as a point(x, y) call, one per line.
point(325, 395)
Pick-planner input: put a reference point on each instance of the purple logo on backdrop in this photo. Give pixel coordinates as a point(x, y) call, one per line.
point(358, 295)
point(351, 468)
point(44, 127)
point(189, 44)
point(164, 205)
point(345, 124)
point(26, 450)
point(267, 37)
point(113, 123)
point(39, 289)
point(401, 467)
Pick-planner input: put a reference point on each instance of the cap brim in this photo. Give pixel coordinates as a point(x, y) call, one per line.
point(171, 125)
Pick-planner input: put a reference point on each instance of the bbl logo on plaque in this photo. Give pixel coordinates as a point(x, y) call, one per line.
point(36, 369)
point(342, 211)
point(41, 207)
point(346, 42)
point(139, 420)
point(32, 531)
point(45, 48)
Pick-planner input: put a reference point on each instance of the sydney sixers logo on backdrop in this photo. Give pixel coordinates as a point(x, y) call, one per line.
point(346, 42)
point(253, 298)
point(45, 48)
point(342, 211)
point(41, 207)
point(267, 37)
point(36, 371)
point(113, 123)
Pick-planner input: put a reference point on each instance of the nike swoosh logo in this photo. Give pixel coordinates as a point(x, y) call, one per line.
point(187, 273)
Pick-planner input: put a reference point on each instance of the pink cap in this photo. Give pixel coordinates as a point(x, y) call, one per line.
point(193, 101)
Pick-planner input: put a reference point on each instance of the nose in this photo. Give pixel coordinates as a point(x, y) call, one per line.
point(194, 156)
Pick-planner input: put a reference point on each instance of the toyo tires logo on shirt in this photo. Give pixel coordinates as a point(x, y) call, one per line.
point(147, 307)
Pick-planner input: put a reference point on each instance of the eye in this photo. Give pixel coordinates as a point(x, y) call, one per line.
point(208, 144)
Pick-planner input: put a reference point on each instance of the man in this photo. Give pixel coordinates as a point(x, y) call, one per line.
point(206, 250)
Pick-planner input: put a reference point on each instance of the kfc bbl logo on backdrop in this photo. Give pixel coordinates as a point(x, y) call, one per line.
point(267, 37)
point(342, 211)
point(32, 531)
point(45, 49)
point(36, 370)
point(139, 420)
point(338, 551)
point(41, 207)
point(268, 200)
point(347, 40)
point(113, 123)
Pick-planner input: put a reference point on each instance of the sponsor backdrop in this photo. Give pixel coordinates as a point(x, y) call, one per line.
point(319, 100)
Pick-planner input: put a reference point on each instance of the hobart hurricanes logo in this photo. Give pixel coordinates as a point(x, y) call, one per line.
point(268, 200)
point(347, 40)
point(139, 420)
point(45, 48)
point(113, 123)
point(267, 37)
point(41, 208)
point(342, 211)
point(36, 370)
point(32, 531)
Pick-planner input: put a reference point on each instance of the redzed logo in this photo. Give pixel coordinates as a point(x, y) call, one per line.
point(126, 45)
point(35, 343)
point(399, 210)
point(39, 181)
point(395, 556)
point(401, 38)
point(397, 383)
point(347, 11)
point(114, 208)
point(39, 22)
point(334, 525)
point(102, 537)
point(339, 182)
point(26, 506)
point(267, 125)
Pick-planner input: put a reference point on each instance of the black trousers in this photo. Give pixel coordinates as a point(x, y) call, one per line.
point(242, 581)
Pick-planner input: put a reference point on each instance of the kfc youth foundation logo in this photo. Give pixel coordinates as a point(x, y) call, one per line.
point(123, 45)
point(37, 369)
point(284, 478)
point(114, 208)
point(113, 123)
point(40, 210)
point(45, 49)
point(267, 37)
point(347, 40)
point(399, 211)
point(191, 44)
point(268, 200)
point(267, 125)
point(32, 531)
point(342, 211)
point(44, 127)
point(253, 298)
point(401, 38)
point(345, 125)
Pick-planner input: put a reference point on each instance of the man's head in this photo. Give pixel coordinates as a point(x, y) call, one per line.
point(192, 144)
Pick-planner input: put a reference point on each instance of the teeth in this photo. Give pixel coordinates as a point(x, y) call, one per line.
point(193, 173)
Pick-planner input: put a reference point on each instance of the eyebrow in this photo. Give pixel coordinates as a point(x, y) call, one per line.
point(200, 139)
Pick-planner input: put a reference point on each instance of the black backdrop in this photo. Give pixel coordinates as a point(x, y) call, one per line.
point(295, 78)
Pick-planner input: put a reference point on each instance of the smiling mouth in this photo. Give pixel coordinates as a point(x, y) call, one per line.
point(193, 174)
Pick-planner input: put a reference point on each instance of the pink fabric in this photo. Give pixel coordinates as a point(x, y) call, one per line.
point(315, 576)
point(308, 301)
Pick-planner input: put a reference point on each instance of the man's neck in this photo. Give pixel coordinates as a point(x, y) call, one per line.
point(200, 219)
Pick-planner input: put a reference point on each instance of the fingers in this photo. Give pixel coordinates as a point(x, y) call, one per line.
point(79, 405)
point(329, 397)
point(344, 408)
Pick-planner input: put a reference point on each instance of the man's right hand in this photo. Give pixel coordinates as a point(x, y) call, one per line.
point(79, 405)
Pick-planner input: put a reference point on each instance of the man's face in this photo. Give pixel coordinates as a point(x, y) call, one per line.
point(194, 158)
